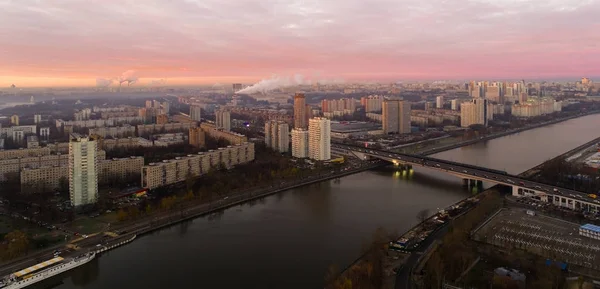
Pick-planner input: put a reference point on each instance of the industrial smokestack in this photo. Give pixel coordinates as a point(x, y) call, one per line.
point(128, 76)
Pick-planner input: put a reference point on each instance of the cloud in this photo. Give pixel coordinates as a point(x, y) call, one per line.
point(102, 82)
point(347, 38)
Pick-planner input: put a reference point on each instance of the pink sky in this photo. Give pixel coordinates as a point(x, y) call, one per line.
point(68, 42)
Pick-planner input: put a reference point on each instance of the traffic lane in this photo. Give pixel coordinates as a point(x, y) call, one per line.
point(493, 177)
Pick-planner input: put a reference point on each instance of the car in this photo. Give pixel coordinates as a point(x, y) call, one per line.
point(98, 245)
point(510, 181)
point(437, 165)
point(465, 171)
point(555, 190)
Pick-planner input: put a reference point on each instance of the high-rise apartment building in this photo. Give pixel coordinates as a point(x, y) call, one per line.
point(372, 103)
point(319, 139)
point(493, 94)
point(83, 174)
point(197, 137)
point(475, 112)
point(14, 119)
point(300, 143)
point(195, 112)
point(223, 119)
point(37, 118)
point(277, 135)
point(396, 116)
point(148, 103)
point(166, 107)
point(454, 104)
point(300, 111)
point(439, 102)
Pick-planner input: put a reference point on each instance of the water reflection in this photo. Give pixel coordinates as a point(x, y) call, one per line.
point(81, 277)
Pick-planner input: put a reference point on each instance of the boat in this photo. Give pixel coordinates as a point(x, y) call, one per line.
point(44, 270)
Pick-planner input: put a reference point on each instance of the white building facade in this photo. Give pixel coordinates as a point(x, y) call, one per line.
point(83, 174)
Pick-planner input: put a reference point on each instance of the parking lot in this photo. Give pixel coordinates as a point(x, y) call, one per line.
point(549, 237)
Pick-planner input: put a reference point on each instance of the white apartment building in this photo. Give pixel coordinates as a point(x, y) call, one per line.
point(536, 108)
point(439, 102)
point(319, 139)
point(372, 103)
point(45, 133)
point(223, 119)
point(477, 111)
point(37, 118)
point(396, 116)
point(83, 174)
point(9, 132)
point(195, 112)
point(300, 143)
point(277, 135)
point(454, 104)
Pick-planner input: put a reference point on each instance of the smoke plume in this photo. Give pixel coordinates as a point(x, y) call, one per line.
point(128, 76)
point(277, 82)
point(158, 82)
point(103, 82)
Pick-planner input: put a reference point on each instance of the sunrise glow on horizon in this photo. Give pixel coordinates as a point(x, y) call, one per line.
point(72, 43)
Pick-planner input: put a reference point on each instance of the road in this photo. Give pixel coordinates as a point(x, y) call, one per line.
point(472, 172)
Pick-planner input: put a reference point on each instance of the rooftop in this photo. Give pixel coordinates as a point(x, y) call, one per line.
point(346, 126)
point(591, 227)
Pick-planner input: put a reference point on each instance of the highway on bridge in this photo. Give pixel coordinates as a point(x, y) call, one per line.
point(464, 171)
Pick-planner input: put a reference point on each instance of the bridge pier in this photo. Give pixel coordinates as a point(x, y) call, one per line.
point(473, 183)
point(466, 183)
point(480, 184)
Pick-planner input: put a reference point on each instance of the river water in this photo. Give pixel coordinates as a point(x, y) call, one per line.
point(288, 240)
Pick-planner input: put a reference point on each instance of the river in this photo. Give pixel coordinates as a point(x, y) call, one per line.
point(289, 239)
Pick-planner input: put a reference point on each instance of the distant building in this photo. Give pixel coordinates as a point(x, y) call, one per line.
point(37, 118)
point(493, 94)
point(166, 107)
point(396, 117)
point(197, 137)
point(428, 105)
point(14, 119)
point(223, 119)
point(176, 170)
point(372, 103)
point(33, 142)
point(454, 104)
point(83, 174)
point(162, 119)
point(299, 143)
point(277, 135)
point(300, 111)
point(477, 111)
point(148, 103)
point(319, 139)
point(196, 112)
point(439, 102)
point(236, 87)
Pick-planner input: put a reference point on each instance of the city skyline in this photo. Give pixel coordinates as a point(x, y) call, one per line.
point(203, 42)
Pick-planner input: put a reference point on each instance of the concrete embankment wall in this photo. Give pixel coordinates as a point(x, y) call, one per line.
point(118, 244)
